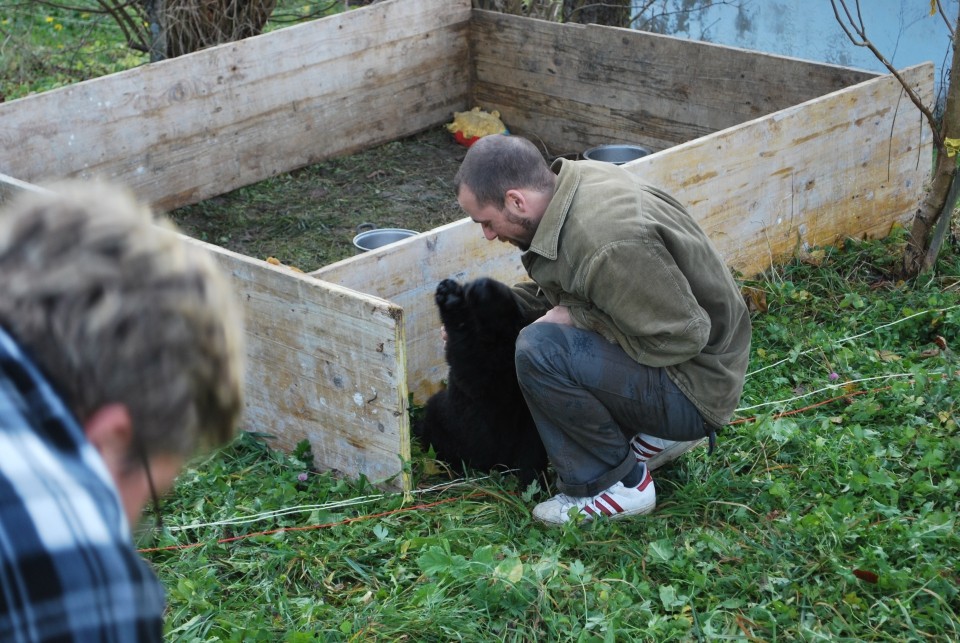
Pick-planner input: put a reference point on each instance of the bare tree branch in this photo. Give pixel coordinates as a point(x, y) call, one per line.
point(920, 254)
point(131, 26)
point(861, 40)
point(279, 17)
point(946, 20)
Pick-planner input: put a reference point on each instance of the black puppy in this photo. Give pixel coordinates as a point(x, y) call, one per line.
point(481, 419)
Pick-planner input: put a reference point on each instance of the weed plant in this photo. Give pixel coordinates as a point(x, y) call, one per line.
point(828, 511)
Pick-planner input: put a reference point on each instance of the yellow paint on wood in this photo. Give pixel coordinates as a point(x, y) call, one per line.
point(850, 163)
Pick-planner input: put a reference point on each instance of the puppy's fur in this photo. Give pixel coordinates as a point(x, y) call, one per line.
point(481, 419)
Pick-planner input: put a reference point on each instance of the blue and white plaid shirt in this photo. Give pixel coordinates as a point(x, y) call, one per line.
point(68, 567)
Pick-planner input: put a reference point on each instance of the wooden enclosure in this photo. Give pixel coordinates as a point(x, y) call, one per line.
point(770, 154)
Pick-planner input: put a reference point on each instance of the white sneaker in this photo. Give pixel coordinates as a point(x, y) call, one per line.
point(656, 452)
point(616, 502)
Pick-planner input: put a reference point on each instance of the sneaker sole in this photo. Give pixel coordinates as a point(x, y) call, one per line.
point(640, 511)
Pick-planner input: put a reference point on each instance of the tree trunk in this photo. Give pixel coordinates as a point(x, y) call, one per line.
point(191, 25)
point(917, 256)
point(932, 208)
point(158, 35)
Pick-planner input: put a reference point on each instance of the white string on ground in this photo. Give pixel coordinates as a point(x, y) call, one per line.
point(340, 504)
point(832, 387)
point(857, 336)
point(337, 504)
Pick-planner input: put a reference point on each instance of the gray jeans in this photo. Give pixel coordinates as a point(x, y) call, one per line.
point(589, 398)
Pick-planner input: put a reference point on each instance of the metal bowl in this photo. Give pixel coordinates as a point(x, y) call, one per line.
point(372, 239)
point(616, 154)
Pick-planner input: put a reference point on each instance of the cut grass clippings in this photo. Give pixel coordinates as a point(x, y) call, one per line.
point(832, 521)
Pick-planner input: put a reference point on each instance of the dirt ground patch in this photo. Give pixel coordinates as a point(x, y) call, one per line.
point(307, 218)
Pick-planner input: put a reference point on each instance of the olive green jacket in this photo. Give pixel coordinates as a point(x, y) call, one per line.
point(633, 265)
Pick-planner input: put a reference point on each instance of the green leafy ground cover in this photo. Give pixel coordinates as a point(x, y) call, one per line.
point(828, 512)
point(45, 45)
point(836, 521)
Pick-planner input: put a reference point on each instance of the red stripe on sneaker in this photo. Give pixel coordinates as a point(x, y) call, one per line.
point(649, 447)
point(641, 455)
point(607, 499)
point(636, 449)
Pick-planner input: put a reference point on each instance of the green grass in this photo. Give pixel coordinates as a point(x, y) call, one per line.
point(810, 522)
point(45, 46)
point(307, 218)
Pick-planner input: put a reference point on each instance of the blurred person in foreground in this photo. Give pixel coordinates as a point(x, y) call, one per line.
point(643, 343)
point(120, 357)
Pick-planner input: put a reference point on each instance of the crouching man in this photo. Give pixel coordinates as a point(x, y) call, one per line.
point(642, 349)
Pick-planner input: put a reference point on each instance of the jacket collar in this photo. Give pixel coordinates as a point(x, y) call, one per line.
point(546, 241)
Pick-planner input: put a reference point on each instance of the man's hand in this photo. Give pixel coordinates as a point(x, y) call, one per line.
point(557, 315)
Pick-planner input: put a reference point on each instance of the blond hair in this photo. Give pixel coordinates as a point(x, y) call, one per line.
point(115, 307)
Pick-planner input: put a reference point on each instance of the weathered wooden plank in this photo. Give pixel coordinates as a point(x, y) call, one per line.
point(327, 351)
point(325, 364)
point(192, 127)
point(575, 86)
point(407, 273)
point(850, 163)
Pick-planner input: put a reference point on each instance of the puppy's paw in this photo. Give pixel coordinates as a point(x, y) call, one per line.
point(449, 296)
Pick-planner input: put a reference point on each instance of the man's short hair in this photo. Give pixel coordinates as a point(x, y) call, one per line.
point(115, 306)
point(497, 163)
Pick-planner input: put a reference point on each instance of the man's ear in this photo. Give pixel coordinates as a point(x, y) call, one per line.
point(516, 199)
point(110, 430)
